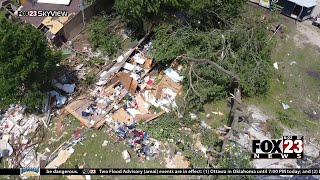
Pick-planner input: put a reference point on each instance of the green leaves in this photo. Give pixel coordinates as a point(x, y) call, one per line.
point(26, 64)
point(135, 12)
point(103, 37)
point(243, 49)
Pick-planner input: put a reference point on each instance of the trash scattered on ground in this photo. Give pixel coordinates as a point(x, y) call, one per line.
point(105, 143)
point(125, 95)
point(218, 113)
point(172, 74)
point(193, 116)
point(126, 156)
point(178, 161)
point(275, 65)
point(293, 62)
point(285, 106)
point(62, 157)
point(205, 125)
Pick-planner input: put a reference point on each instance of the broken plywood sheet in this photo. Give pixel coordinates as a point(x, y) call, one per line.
point(121, 116)
point(62, 157)
point(106, 75)
point(148, 117)
point(166, 82)
point(133, 86)
point(76, 107)
point(125, 79)
point(142, 105)
point(109, 88)
point(147, 63)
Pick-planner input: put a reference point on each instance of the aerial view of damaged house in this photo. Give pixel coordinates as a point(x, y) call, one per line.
point(126, 93)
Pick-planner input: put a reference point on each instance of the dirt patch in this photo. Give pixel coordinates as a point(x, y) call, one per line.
point(80, 42)
point(313, 73)
point(307, 34)
point(312, 114)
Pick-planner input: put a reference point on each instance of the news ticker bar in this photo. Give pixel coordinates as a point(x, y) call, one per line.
point(117, 171)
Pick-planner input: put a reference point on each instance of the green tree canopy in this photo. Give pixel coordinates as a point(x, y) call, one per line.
point(136, 12)
point(205, 12)
point(211, 13)
point(103, 37)
point(244, 49)
point(26, 64)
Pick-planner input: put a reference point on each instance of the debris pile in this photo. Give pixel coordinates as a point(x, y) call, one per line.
point(17, 137)
point(128, 91)
point(127, 94)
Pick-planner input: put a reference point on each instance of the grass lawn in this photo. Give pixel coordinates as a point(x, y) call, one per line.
point(91, 153)
point(295, 83)
point(215, 120)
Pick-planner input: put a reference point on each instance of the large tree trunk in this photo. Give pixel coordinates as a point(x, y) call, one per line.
point(235, 111)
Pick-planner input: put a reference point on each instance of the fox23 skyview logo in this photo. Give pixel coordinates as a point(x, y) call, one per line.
point(289, 147)
point(30, 172)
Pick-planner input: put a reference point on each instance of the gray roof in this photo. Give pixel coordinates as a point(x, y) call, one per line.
point(305, 3)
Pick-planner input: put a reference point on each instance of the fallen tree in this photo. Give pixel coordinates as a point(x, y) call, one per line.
point(236, 110)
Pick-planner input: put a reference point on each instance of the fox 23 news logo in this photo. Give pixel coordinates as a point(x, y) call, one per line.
point(289, 147)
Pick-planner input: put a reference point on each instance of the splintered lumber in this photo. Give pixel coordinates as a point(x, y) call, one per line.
point(148, 117)
point(62, 157)
point(99, 123)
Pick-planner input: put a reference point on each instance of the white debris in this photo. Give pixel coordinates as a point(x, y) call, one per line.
point(133, 112)
point(79, 67)
point(208, 115)
point(71, 150)
point(88, 177)
point(285, 106)
point(137, 58)
point(128, 66)
point(172, 74)
point(4, 145)
point(203, 149)
point(105, 143)
point(126, 156)
point(293, 62)
point(193, 116)
point(275, 65)
point(205, 125)
point(68, 88)
point(120, 58)
point(218, 113)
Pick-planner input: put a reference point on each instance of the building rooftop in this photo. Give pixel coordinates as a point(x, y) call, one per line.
point(305, 3)
point(73, 7)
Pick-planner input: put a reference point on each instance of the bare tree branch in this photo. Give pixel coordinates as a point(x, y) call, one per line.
point(230, 73)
